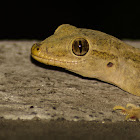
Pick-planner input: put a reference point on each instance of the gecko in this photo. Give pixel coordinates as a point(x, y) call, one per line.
point(92, 54)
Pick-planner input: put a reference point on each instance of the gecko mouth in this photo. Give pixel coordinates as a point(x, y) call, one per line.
point(44, 60)
point(38, 55)
point(69, 65)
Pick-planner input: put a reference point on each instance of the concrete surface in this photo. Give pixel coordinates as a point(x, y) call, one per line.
point(30, 90)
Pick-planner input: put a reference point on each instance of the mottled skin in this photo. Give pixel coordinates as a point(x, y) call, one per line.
point(108, 58)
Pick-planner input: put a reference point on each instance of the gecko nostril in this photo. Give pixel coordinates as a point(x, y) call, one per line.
point(37, 49)
point(110, 64)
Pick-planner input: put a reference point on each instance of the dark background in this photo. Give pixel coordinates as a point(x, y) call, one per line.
point(39, 19)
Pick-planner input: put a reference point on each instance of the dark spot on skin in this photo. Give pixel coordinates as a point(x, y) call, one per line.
point(110, 64)
point(37, 49)
point(52, 46)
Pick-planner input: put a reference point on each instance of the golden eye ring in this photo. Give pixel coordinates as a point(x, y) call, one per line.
point(80, 46)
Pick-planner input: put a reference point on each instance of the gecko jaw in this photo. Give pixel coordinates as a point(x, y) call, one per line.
point(55, 62)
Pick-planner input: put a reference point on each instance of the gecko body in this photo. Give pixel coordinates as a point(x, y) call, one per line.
point(92, 53)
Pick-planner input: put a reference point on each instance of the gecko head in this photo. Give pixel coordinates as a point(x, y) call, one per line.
point(74, 49)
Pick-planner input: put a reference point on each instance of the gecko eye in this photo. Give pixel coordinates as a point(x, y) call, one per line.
point(80, 46)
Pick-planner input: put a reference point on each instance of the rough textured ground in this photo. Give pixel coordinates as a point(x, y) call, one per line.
point(30, 90)
point(68, 130)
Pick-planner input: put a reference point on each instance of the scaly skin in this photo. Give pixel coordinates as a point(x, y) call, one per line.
point(108, 58)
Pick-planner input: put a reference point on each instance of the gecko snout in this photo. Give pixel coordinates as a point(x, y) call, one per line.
point(36, 46)
point(35, 50)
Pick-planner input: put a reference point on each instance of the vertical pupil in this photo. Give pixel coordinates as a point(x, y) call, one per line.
point(80, 46)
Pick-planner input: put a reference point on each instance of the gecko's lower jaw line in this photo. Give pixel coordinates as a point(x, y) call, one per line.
point(55, 62)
